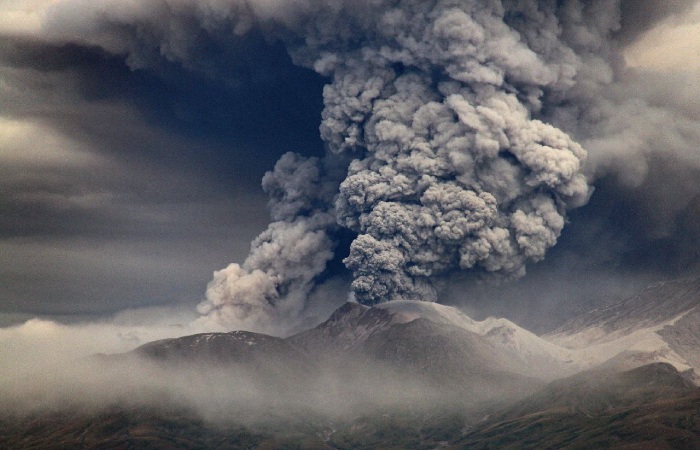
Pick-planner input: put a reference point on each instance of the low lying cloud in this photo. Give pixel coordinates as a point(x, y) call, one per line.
point(52, 367)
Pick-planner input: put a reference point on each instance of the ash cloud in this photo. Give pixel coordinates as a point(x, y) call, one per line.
point(450, 111)
point(459, 135)
point(433, 102)
point(278, 276)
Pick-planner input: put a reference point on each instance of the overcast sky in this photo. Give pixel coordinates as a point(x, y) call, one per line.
point(123, 188)
point(126, 183)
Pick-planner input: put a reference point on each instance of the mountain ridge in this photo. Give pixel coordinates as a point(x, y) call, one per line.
point(625, 335)
point(409, 375)
point(661, 323)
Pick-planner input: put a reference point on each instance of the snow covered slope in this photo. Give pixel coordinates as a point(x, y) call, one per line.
point(659, 324)
point(656, 305)
point(539, 356)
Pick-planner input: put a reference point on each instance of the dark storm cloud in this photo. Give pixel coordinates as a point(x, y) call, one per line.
point(73, 87)
point(122, 187)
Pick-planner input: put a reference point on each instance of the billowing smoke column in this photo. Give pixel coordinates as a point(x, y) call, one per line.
point(276, 278)
point(443, 127)
point(433, 104)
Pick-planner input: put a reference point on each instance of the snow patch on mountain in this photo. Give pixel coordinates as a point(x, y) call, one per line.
point(598, 336)
point(536, 355)
point(628, 346)
point(615, 337)
point(660, 304)
point(404, 311)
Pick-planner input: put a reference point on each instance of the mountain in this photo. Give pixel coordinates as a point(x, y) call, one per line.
point(417, 353)
point(347, 327)
point(496, 343)
point(653, 306)
point(659, 324)
point(399, 375)
point(595, 391)
point(650, 407)
point(121, 428)
point(236, 347)
point(441, 345)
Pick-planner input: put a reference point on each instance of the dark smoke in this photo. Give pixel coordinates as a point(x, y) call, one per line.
point(433, 101)
point(455, 132)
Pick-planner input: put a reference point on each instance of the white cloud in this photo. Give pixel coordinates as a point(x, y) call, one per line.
point(40, 343)
point(673, 45)
point(21, 17)
point(25, 143)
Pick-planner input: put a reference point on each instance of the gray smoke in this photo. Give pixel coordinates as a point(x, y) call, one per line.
point(453, 132)
point(433, 101)
point(278, 275)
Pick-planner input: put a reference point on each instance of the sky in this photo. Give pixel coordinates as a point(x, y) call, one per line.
point(134, 137)
point(125, 188)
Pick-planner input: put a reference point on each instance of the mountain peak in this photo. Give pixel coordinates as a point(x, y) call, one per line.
point(352, 325)
point(347, 310)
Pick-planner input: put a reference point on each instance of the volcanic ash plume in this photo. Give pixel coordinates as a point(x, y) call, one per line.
point(433, 104)
point(439, 157)
point(278, 275)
